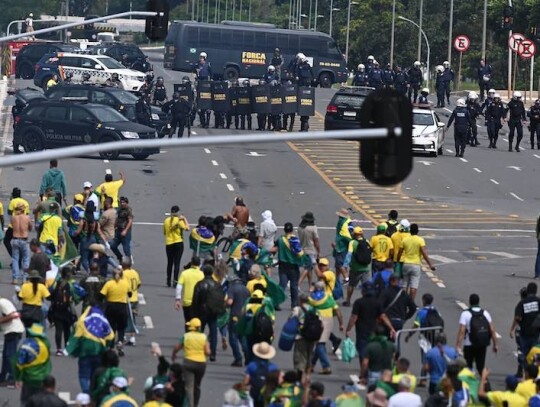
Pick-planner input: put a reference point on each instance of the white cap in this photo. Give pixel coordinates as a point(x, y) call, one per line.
point(82, 399)
point(416, 63)
point(405, 223)
point(120, 382)
point(158, 386)
point(108, 171)
point(461, 102)
point(473, 95)
point(87, 184)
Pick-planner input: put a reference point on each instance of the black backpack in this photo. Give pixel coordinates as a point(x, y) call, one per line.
point(362, 253)
point(258, 381)
point(312, 328)
point(433, 319)
point(391, 228)
point(215, 300)
point(263, 329)
point(479, 329)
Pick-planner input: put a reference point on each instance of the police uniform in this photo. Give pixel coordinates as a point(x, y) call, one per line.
point(448, 76)
point(376, 78)
point(360, 79)
point(415, 81)
point(484, 79)
point(159, 94)
point(204, 71)
point(143, 111)
point(388, 77)
point(277, 62)
point(180, 109)
point(474, 110)
point(423, 100)
point(305, 74)
point(292, 70)
point(516, 111)
point(401, 81)
point(534, 115)
point(494, 114)
point(440, 87)
point(462, 120)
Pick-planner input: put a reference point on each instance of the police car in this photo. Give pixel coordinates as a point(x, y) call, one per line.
point(428, 131)
point(53, 124)
point(100, 68)
point(343, 111)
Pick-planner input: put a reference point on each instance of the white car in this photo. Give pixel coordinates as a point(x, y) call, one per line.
point(428, 132)
point(100, 68)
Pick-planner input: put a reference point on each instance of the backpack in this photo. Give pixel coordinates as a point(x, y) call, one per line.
point(362, 253)
point(391, 228)
point(432, 319)
point(479, 331)
point(263, 330)
point(258, 380)
point(61, 297)
point(295, 245)
point(288, 334)
point(312, 328)
point(215, 300)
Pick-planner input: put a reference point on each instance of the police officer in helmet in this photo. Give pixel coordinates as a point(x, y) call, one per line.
point(495, 112)
point(192, 99)
point(534, 127)
point(422, 99)
point(305, 73)
point(401, 80)
point(415, 81)
point(203, 68)
point(148, 84)
point(388, 76)
point(143, 111)
point(270, 76)
point(277, 63)
point(462, 122)
point(361, 77)
point(179, 109)
point(474, 110)
point(376, 76)
point(440, 85)
point(159, 92)
point(448, 76)
point(516, 112)
point(245, 117)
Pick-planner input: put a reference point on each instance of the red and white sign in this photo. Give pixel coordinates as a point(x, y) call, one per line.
point(514, 41)
point(526, 49)
point(462, 43)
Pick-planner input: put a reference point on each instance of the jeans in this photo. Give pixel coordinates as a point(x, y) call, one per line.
point(193, 375)
point(290, 273)
point(212, 337)
point(537, 264)
point(237, 342)
point(320, 353)
point(21, 255)
point(525, 345)
point(373, 377)
point(84, 249)
point(125, 241)
point(174, 256)
point(361, 345)
point(87, 367)
point(11, 341)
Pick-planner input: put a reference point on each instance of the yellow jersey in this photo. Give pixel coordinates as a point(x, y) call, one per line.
point(497, 398)
point(397, 238)
point(134, 280)
point(188, 279)
point(411, 249)
point(116, 290)
point(110, 189)
point(252, 283)
point(173, 227)
point(28, 297)
point(330, 281)
point(381, 246)
point(194, 345)
point(154, 403)
point(51, 224)
point(15, 202)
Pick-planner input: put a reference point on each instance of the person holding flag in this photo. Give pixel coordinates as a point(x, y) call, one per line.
point(202, 241)
point(341, 243)
point(92, 336)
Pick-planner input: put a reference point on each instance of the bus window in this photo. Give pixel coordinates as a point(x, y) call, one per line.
point(227, 38)
point(333, 49)
point(192, 35)
point(283, 44)
point(204, 38)
point(249, 40)
point(272, 42)
point(260, 41)
point(311, 45)
point(215, 38)
point(294, 44)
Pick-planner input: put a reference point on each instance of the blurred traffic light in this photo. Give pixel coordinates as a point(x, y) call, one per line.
point(387, 161)
point(508, 17)
point(157, 26)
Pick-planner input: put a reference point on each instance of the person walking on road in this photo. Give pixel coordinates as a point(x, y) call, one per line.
point(463, 120)
point(495, 113)
point(111, 188)
point(516, 119)
point(485, 73)
point(525, 314)
point(289, 254)
point(413, 250)
point(397, 304)
point(173, 228)
point(196, 349)
point(123, 227)
point(186, 287)
point(309, 238)
point(358, 270)
point(237, 296)
point(32, 294)
point(403, 231)
point(267, 231)
point(54, 178)
point(382, 248)
point(21, 224)
point(13, 329)
point(476, 332)
point(341, 243)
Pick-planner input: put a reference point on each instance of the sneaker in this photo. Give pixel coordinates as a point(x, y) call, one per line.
point(237, 363)
point(326, 371)
point(59, 352)
point(335, 345)
point(346, 304)
point(131, 341)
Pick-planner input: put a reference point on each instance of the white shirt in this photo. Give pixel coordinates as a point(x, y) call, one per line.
point(29, 21)
point(13, 326)
point(93, 197)
point(465, 320)
point(405, 399)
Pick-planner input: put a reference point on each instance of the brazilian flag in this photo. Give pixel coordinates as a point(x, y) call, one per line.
point(471, 381)
point(201, 240)
point(235, 252)
point(67, 253)
point(92, 334)
point(274, 291)
point(343, 235)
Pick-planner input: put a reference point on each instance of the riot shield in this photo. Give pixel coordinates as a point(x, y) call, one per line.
point(306, 101)
point(233, 100)
point(260, 99)
point(220, 97)
point(204, 95)
point(276, 99)
point(185, 91)
point(290, 98)
point(243, 96)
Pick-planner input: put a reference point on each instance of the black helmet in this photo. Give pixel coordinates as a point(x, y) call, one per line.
point(149, 77)
point(176, 95)
point(115, 75)
point(186, 79)
point(160, 78)
point(86, 76)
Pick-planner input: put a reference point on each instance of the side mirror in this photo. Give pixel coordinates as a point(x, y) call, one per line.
point(387, 161)
point(441, 124)
point(97, 66)
point(90, 120)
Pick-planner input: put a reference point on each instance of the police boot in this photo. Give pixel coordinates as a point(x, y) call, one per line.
point(249, 122)
point(207, 122)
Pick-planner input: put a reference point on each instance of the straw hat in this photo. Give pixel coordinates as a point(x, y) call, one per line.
point(264, 350)
point(97, 247)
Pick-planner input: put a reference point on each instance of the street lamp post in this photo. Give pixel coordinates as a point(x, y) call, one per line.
point(392, 33)
point(331, 16)
point(316, 15)
point(427, 45)
point(421, 18)
point(451, 23)
point(348, 29)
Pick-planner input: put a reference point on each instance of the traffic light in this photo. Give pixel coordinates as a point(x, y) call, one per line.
point(157, 26)
point(387, 161)
point(508, 17)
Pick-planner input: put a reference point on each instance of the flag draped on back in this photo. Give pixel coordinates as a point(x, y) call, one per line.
point(274, 291)
point(201, 240)
point(68, 252)
point(92, 334)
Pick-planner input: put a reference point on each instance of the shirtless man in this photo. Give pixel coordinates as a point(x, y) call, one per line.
point(22, 224)
point(239, 214)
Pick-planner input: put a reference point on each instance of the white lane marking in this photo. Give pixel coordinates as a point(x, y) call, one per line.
point(429, 274)
point(537, 156)
point(462, 305)
point(223, 176)
point(441, 285)
point(517, 197)
point(477, 170)
point(513, 167)
point(106, 161)
point(442, 259)
point(148, 324)
point(506, 255)
point(450, 151)
point(193, 132)
point(498, 335)
point(230, 187)
point(141, 299)
point(448, 110)
point(66, 396)
point(495, 182)
point(463, 159)
point(505, 139)
point(207, 151)
point(215, 163)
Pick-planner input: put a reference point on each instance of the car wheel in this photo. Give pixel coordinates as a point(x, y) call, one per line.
point(109, 155)
point(140, 156)
point(26, 71)
point(33, 141)
point(440, 150)
point(325, 80)
point(231, 73)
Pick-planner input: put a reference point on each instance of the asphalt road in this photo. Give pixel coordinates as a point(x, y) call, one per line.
point(487, 252)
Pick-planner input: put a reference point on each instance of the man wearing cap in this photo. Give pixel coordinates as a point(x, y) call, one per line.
point(74, 214)
point(290, 255)
point(499, 398)
point(258, 369)
point(32, 361)
point(21, 225)
point(54, 178)
point(122, 229)
point(158, 397)
point(309, 238)
point(397, 237)
point(383, 248)
point(186, 287)
point(90, 196)
point(13, 328)
point(173, 228)
point(111, 188)
point(119, 394)
point(358, 273)
point(83, 400)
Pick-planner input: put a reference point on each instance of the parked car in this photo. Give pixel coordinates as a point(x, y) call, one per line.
point(29, 56)
point(343, 111)
point(134, 56)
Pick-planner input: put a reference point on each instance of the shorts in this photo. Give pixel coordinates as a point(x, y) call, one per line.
point(340, 259)
point(377, 265)
point(358, 278)
point(411, 274)
point(313, 262)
